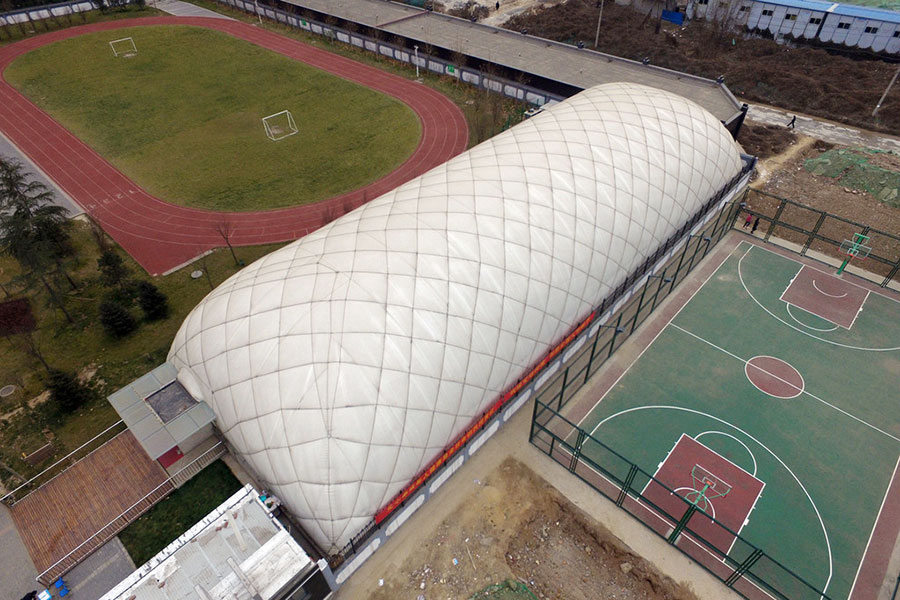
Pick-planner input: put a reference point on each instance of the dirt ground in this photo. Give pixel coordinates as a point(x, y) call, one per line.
point(791, 180)
point(514, 525)
point(802, 78)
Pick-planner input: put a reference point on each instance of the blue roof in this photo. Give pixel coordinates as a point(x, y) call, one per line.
point(864, 12)
point(848, 10)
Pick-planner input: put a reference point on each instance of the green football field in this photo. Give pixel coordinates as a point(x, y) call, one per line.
point(183, 117)
point(826, 453)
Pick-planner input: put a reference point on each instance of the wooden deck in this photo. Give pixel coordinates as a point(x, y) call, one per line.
point(80, 509)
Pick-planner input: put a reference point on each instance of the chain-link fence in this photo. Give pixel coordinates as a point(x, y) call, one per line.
point(819, 234)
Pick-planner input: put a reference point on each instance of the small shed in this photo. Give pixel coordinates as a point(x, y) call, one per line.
point(164, 418)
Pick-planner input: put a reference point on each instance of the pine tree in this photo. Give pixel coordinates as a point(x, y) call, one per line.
point(113, 270)
point(152, 301)
point(67, 392)
point(116, 320)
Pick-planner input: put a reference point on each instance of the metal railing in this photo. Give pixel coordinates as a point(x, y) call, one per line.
point(65, 462)
point(819, 234)
point(737, 563)
point(129, 515)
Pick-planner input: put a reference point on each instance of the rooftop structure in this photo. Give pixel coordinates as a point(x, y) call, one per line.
point(237, 552)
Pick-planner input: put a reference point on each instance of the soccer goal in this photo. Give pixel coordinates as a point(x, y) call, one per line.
point(123, 47)
point(280, 125)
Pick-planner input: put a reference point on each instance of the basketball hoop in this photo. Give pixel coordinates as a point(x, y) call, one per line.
point(854, 249)
point(706, 487)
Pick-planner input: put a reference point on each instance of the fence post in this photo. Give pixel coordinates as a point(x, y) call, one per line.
point(682, 523)
point(612, 342)
point(629, 479)
point(813, 233)
point(587, 372)
point(892, 274)
point(662, 281)
point(775, 219)
point(534, 413)
point(680, 260)
point(744, 567)
point(562, 392)
point(576, 455)
point(637, 313)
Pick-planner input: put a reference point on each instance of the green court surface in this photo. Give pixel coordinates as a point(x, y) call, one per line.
point(826, 456)
point(183, 117)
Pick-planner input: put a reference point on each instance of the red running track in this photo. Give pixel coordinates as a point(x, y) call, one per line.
point(162, 236)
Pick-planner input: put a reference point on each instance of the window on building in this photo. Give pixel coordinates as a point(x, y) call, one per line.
point(767, 13)
point(897, 33)
point(843, 25)
point(790, 17)
point(871, 30)
point(815, 20)
point(704, 2)
point(746, 8)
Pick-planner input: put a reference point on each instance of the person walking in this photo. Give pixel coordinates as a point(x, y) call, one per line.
point(793, 122)
point(755, 225)
point(497, 6)
point(748, 220)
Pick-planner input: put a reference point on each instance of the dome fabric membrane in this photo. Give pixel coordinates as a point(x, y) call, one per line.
point(340, 365)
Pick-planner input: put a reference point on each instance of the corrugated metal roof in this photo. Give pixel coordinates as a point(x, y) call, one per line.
point(864, 12)
point(858, 12)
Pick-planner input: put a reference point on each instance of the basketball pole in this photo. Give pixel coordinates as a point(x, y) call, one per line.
point(852, 251)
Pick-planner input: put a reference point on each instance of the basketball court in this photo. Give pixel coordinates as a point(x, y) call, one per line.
point(769, 403)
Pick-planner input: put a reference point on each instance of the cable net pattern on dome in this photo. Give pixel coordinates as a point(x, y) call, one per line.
point(340, 365)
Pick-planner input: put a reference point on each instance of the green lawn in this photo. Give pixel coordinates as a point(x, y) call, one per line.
point(163, 523)
point(75, 346)
point(183, 117)
point(829, 453)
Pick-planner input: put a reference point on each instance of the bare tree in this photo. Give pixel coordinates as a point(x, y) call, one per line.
point(225, 228)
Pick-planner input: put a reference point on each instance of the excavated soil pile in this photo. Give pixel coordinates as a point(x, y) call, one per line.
point(515, 526)
point(764, 141)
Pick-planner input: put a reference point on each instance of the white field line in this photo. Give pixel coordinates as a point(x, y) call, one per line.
point(803, 391)
point(764, 447)
point(641, 353)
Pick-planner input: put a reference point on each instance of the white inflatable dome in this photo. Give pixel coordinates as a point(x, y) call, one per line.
point(340, 365)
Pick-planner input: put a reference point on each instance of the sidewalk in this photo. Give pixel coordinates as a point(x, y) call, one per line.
point(828, 131)
point(17, 575)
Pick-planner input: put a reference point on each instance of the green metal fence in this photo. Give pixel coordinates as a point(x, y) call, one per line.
point(810, 231)
point(745, 568)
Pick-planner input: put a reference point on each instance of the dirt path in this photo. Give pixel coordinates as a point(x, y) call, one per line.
point(766, 167)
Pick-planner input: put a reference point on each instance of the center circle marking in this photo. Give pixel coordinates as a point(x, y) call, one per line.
point(774, 377)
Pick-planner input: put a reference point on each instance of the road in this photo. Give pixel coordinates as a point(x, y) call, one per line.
point(828, 131)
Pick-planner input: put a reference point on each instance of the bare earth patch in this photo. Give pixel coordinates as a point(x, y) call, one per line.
point(514, 525)
point(793, 181)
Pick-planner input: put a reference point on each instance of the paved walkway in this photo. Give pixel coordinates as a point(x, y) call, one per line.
point(17, 572)
point(8, 150)
point(828, 131)
point(99, 572)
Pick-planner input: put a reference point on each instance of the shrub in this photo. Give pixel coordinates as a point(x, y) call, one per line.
point(113, 271)
point(116, 320)
point(67, 392)
point(152, 301)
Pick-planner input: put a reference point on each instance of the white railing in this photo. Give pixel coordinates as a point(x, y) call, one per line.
point(67, 562)
point(10, 498)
